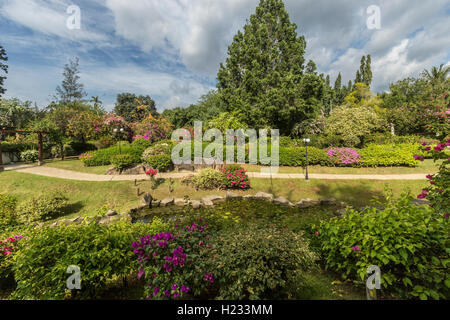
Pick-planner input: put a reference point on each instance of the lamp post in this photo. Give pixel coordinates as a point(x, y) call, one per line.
point(117, 131)
point(306, 141)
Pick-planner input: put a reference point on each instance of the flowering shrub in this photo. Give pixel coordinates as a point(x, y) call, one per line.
point(235, 178)
point(409, 243)
point(153, 129)
point(438, 192)
point(169, 265)
point(343, 156)
point(8, 247)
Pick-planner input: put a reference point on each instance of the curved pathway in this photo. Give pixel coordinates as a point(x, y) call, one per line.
point(80, 176)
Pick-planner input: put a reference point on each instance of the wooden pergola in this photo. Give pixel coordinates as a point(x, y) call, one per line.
point(40, 142)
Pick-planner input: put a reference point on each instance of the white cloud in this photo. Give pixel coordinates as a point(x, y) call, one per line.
point(47, 17)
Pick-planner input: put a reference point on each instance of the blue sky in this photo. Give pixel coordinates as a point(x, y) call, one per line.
point(171, 49)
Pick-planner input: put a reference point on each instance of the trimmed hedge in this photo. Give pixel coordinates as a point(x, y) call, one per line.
point(390, 155)
point(102, 157)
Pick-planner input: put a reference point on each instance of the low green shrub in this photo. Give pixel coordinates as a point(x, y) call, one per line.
point(103, 254)
point(208, 179)
point(8, 215)
point(409, 243)
point(102, 157)
point(257, 262)
point(122, 161)
point(43, 207)
point(389, 155)
point(162, 162)
point(29, 155)
point(295, 157)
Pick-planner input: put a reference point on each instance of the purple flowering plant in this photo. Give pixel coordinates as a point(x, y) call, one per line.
point(344, 156)
point(167, 262)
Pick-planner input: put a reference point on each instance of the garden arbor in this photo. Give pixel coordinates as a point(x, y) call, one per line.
point(40, 143)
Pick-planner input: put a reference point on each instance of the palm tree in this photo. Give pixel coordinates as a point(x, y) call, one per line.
point(437, 75)
point(97, 104)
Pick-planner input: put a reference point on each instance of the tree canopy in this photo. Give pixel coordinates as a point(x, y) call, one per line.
point(71, 89)
point(134, 108)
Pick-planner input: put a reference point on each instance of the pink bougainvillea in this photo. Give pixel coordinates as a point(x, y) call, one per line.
point(343, 156)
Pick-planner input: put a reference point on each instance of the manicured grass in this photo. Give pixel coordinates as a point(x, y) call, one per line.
point(428, 166)
point(75, 165)
point(87, 197)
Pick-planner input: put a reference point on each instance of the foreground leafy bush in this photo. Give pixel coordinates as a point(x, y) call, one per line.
point(8, 215)
point(168, 262)
point(142, 142)
point(103, 253)
point(29, 155)
point(235, 178)
point(208, 179)
point(389, 155)
point(257, 262)
point(122, 161)
point(43, 207)
point(410, 244)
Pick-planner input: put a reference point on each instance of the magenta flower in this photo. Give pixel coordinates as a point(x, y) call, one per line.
point(357, 249)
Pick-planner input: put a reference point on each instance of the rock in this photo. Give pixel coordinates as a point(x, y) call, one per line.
point(419, 202)
point(328, 202)
point(108, 220)
point(206, 202)
point(166, 201)
point(184, 167)
point(147, 200)
point(78, 219)
point(232, 195)
point(195, 204)
point(283, 201)
point(111, 213)
point(263, 196)
point(156, 203)
point(248, 197)
point(136, 170)
point(341, 212)
point(216, 199)
point(180, 202)
point(306, 203)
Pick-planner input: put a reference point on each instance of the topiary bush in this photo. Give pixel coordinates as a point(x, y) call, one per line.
point(122, 161)
point(102, 252)
point(295, 157)
point(409, 243)
point(208, 179)
point(142, 142)
point(42, 208)
point(257, 262)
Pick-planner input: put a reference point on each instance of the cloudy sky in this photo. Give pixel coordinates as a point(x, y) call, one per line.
point(171, 49)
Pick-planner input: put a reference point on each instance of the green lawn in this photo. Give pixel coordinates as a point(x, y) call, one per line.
point(428, 166)
point(75, 165)
point(87, 197)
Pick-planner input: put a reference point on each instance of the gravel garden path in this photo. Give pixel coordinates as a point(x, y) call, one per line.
point(80, 176)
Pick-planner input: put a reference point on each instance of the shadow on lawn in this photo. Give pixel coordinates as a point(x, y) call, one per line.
point(72, 208)
point(358, 195)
